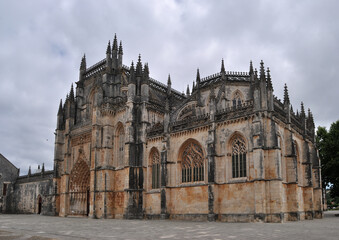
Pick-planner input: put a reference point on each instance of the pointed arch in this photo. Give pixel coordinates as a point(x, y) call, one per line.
point(238, 148)
point(154, 162)
point(192, 159)
point(187, 111)
point(237, 98)
point(119, 143)
point(78, 186)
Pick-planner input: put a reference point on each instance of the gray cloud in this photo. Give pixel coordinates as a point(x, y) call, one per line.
point(42, 43)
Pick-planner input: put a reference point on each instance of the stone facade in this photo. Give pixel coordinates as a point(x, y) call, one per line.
point(128, 146)
point(8, 174)
point(31, 193)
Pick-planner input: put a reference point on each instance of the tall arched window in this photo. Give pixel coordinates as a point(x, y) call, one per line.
point(120, 145)
point(192, 166)
point(155, 162)
point(238, 157)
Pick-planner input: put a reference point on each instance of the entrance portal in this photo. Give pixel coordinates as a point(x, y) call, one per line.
point(79, 189)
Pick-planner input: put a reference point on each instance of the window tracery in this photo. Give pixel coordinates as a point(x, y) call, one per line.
point(155, 161)
point(120, 145)
point(192, 166)
point(238, 158)
point(237, 99)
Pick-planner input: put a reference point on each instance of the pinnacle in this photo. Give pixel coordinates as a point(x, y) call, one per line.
point(302, 111)
point(251, 68)
point(71, 93)
point(60, 108)
point(286, 97)
point(222, 66)
point(262, 70)
point(108, 51)
point(269, 81)
point(188, 90)
point(169, 82)
point(120, 48)
point(83, 63)
point(198, 76)
point(139, 65)
point(115, 42)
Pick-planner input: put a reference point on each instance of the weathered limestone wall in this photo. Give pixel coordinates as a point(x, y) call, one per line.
point(235, 202)
point(25, 193)
point(190, 202)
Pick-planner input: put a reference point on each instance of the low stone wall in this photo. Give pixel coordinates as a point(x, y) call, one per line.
point(26, 192)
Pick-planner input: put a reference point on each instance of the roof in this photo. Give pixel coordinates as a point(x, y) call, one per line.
point(230, 76)
point(2, 157)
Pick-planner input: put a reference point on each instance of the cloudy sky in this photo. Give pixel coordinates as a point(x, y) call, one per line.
point(42, 43)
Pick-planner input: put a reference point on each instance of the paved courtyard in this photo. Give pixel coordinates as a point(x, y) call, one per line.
point(44, 227)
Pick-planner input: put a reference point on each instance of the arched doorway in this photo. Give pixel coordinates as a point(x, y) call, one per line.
point(39, 204)
point(79, 189)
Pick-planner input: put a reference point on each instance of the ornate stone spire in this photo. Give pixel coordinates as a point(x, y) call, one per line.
point(109, 50)
point(222, 71)
point(269, 81)
point(198, 78)
point(310, 119)
point(60, 108)
point(262, 71)
point(286, 97)
point(302, 111)
point(139, 67)
point(131, 73)
point(71, 93)
point(169, 82)
point(251, 68)
point(146, 71)
point(120, 49)
point(188, 90)
point(169, 85)
point(115, 43)
point(83, 63)
point(222, 66)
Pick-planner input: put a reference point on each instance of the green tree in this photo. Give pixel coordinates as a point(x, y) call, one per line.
point(328, 145)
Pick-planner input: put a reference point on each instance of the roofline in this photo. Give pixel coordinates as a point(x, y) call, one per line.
point(8, 161)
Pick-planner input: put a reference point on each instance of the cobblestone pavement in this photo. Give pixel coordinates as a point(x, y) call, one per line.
point(46, 228)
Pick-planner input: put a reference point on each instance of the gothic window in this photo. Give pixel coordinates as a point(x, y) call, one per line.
point(237, 99)
point(119, 145)
point(192, 166)
point(155, 162)
point(238, 158)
